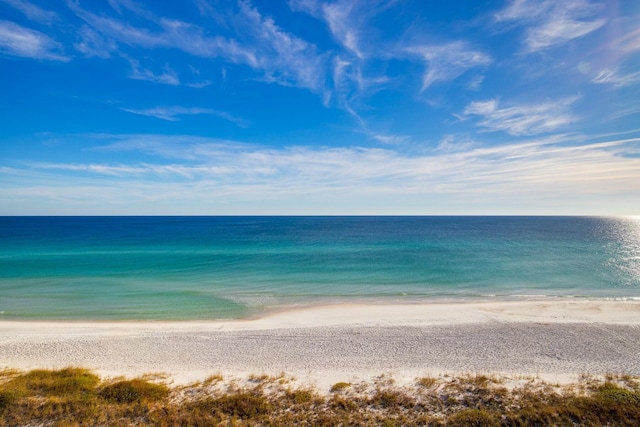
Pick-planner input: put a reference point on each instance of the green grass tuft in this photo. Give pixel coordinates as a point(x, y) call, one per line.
point(427, 382)
point(474, 418)
point(65, 382)
point(241, 405)
point(134, 391)
point(7, 397)
point(612, 393)
point(300, 396)
point(339, 387)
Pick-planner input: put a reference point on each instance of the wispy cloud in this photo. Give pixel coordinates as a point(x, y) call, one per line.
point(544, 171)
point(168, 77)
point(347, 21)
point(447, 62)
point(92, 44)
point(519, 10)
point(523, 119)
point(559, 31)
point(456, 143)
point(259, 43)
point(285, 58)
point(20, 41)
point(119, 170)
point(352, 78)
point(172, 113)
point(169, 113)
point(349, 85)
point(183, 147)
point(629, 42)
point(612, 77)
point(33, 12)
point(476, 82)
point(339, 17)
point(199, 84)
point(167, 34)
point(364, 128)
point(205, 8)
point(132, 5)
point(549, 22)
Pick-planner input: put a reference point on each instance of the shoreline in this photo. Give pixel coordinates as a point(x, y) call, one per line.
point(322, 345)
point(556, 310)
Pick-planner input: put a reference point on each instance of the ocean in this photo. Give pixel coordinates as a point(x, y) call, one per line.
point(171, 268)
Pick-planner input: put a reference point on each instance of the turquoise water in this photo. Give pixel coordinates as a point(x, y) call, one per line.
point(231, 267)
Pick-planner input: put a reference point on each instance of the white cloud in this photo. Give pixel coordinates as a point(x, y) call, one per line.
point(338, 17)
point(347, 21)
point(612, 77)
point(309, 6)
point(172, 113)
point(32, 11)
point(549, 22)
point(24, 42)
point(524, 119)
point(128, 171)
point(554, 171)
point(343, 17)
point(168, 77)
point(621, 41)
point(352, 85)
point(389, 138)
point(630, 42)
point(558, 31)
point(260, 44)
point(172, 34)
point(132, 5)
point(199, 84)
point(365, 128)
point(284, 58)
point(475, 83)
point(447, 62)
point(93, 44)
point(169, 113)
point(455, 143)
point(523, 10)
point(170, 147)
point(205, 8)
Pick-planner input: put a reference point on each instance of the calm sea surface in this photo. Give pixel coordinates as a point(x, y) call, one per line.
point(231, 267)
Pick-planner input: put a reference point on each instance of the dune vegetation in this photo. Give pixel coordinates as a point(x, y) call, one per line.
point(78, 397)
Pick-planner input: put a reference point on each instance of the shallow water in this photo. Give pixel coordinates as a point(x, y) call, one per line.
point(230, 267)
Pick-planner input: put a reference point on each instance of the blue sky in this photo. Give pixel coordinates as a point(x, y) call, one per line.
point(320, 107)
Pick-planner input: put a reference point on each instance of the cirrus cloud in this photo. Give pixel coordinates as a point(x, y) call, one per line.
point(17, 40)
point(520, 120)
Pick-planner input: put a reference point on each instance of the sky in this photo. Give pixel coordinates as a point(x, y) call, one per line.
point(311, 107)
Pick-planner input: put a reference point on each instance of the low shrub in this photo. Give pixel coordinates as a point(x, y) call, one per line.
point(7, 397)
point(300, 396)
point(614, 394)
point(241, 405)
point(65, 382)
point(473, 418)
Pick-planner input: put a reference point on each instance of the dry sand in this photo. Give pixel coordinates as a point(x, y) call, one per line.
point(555, 340)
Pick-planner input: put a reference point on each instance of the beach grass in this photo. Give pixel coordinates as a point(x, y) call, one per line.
point(76, 396)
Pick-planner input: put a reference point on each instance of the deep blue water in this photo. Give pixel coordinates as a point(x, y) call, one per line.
point(230, 267)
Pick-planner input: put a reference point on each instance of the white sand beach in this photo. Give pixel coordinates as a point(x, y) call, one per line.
point(557, 340)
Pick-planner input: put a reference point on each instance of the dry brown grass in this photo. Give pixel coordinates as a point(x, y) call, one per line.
point(74, 397)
